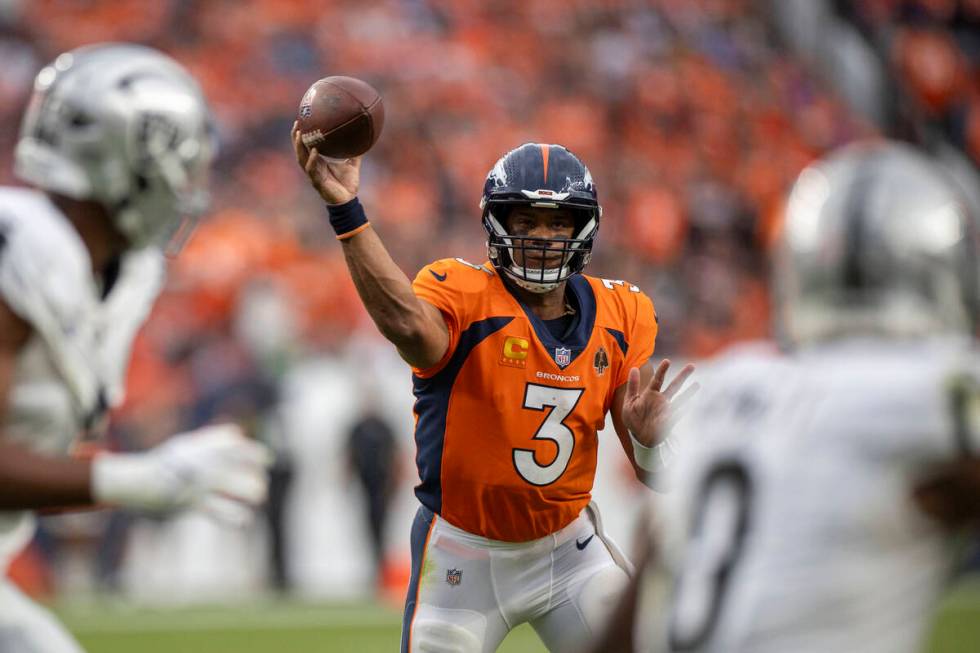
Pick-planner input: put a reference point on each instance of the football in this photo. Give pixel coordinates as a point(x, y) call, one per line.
point(341, 117)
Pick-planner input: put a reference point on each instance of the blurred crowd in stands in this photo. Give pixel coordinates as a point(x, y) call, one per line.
point(934, 49)
point(691, 115)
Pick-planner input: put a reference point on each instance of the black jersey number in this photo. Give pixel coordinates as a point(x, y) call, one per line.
point(721, 521)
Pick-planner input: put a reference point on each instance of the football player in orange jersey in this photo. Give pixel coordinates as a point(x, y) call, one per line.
point(516, 363)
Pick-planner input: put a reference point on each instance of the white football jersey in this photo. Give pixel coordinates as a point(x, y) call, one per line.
point(74, 365)
point(789, 524)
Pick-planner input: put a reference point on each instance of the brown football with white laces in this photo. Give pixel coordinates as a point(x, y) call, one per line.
point(341, 117)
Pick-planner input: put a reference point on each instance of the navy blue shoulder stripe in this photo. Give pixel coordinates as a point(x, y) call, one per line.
point(432, 404)
point(620, 339)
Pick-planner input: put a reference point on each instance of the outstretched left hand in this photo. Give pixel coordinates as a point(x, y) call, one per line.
point(646, 411)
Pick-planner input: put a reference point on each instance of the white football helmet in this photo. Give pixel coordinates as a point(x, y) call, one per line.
point(876, 241)
point(128, 127)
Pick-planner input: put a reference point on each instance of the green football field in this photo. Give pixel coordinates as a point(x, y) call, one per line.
point(277, 627)
point(291, 627)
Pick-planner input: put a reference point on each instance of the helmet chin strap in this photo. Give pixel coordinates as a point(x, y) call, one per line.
point(539, 287)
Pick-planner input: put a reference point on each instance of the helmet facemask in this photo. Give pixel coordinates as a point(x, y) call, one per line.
point(547, 177)
point(559, 258)
point(171, 170)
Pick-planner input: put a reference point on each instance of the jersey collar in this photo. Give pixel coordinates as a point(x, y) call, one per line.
point(565, 350)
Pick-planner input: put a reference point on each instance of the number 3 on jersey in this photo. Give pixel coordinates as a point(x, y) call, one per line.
point(562, 402)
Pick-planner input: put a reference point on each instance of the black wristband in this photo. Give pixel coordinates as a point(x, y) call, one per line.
point(348, 218)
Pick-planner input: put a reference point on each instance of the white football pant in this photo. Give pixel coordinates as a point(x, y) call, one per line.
point(467, 592)
point(26, 627)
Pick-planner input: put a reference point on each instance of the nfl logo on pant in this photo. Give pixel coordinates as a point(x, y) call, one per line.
point(454, 576)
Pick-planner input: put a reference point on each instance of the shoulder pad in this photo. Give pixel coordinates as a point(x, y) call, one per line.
point(459, 274)
point(45, 270)
point(46, 278)
point(626, 297)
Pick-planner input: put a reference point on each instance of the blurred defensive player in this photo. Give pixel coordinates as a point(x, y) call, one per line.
point(116, 143)
point(803, 496)
point(516, 363)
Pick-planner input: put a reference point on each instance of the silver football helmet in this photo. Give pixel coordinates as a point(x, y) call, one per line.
point(128, 127)
point(876, 241)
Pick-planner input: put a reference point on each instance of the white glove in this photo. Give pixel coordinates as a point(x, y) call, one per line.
point(215, 468)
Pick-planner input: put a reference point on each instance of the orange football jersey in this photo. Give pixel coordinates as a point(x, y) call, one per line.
point(506, 422)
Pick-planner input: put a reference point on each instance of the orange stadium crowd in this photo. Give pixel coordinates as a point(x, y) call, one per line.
point(690, 114)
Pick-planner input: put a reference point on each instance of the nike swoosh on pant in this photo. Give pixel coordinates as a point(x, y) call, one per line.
point(582, 545)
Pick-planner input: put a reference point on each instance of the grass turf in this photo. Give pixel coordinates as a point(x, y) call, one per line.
point(293, 627)
point(281, 626)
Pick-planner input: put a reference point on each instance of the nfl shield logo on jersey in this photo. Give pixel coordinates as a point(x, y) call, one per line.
point(454, 576)
point(563, 356)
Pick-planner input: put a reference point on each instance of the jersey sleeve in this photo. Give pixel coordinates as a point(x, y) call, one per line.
point(437, 283)
point(642, 335)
